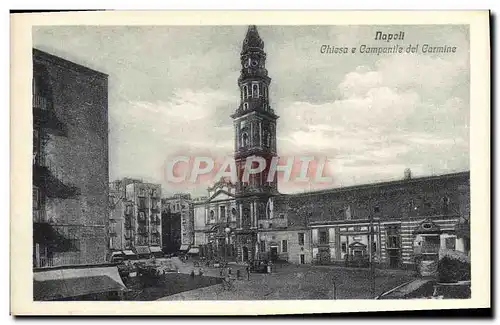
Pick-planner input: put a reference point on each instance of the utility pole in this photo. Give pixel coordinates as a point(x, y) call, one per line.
point(372, 263)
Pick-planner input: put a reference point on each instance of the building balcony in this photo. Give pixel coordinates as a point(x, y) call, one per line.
point(251, 72)
point(45, 116)
point(48, 235)
point(255, 104)
point(39, 216)
point(156, 220)
point(50, 185)
point(274, 223)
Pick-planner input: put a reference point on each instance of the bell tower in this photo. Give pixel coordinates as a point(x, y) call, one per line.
point(254, 119)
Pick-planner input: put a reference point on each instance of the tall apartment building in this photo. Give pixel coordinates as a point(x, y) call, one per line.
point(178, 207)
point(143, 218)
point(117, 207)
point(70, 162)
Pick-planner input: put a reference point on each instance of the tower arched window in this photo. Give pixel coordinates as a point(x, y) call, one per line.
point(244, 139)
point(255, 90)
point(245, 92)
point(268, 139)
point(245, 106)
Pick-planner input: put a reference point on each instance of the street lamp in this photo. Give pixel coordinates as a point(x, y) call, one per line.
point(227, 230)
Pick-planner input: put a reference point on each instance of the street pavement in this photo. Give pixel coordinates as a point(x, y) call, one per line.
point(293, 282)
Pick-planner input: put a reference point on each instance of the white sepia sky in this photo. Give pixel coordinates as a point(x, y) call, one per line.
point(172, 89)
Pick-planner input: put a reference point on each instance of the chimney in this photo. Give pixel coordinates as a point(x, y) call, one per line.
point(407, 174)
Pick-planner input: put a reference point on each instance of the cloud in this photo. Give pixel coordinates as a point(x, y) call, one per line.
point(387, 117)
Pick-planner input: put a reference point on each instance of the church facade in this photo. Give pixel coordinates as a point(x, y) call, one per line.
point(250, 220)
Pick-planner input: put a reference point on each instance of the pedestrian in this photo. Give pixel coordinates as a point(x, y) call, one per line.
point(220, 272)
point(238, 274)
point(200, 272)
point(229, 271)
point(248, 272)
point(192, 273)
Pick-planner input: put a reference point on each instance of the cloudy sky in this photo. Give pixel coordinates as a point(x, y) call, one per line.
point(172, 90)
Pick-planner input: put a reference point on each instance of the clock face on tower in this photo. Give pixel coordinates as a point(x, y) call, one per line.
point(254, 63)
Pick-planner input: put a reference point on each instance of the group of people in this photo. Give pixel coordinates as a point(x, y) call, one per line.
point(227, 273)
point(200, 272)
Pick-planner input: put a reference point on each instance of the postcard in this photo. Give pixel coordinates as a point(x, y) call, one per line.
point(249, 163)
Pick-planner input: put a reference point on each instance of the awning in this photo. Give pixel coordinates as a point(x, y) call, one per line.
point(142, 250)
point(194, 250)
point(116, 253)
point(155, 249)
point(74, 282)
point(184, 247)
point(129, 253)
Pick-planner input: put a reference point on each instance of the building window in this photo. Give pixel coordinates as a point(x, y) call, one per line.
point(261, 226)
point(262, 246)
point(323, 237)
point(393, 238)
point(212, 215)
point(284, 246)
point(245, 91)
point(244, 139)
point(142, 203)
point(450, 243)
point(271, 225)
point(36, 145)
point(222, 213)
point(35, 198)
point(374, 247)
point(301, 239)
point(255, 90)
point(445, 201)
point(376, 209)
point(344, 248)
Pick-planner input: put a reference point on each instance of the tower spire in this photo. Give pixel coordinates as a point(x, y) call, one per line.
point(252, 39)
point(254, 119)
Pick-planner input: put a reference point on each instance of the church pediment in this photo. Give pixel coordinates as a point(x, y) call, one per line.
point(221, 195)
